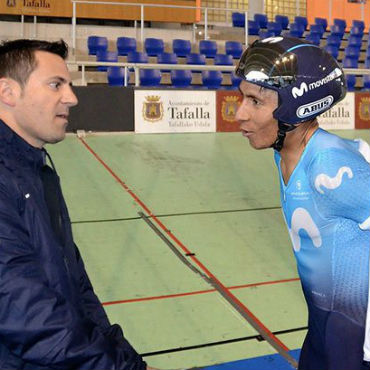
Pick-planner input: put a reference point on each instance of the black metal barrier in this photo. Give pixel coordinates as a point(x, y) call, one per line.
point(102, 108)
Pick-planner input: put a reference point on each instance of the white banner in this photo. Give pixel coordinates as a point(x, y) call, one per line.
point(341, 116)
point(163, 111)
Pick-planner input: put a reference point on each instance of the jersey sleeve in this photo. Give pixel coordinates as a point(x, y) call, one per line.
point(340, 180)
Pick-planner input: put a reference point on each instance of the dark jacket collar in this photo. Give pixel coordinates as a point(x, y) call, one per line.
point(16, 151)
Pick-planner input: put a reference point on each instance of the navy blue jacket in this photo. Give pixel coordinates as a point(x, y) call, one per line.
point(50, 317)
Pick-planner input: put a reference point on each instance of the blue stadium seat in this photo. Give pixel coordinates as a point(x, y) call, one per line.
point(356, 32)
point(181, 78)
point(366, 82)
point(296, 29)
point(352, 52)
point(341, 23)
point(274, 27)
point(322, 22)
point(283, 20)
point(317, 29)
point(253, 28)
point(337, 30)
point(212, 79)
point(333, 40)
point(366, 78)
point(264, 34)
point(314, 38)
point(351, 79)
point(195, 58)
point(106, 56)
point(150, 77)
point(125, 45)
point(351, 82)
point(182, 48)
point(301, 20)
point(332, 50)
point(234, 48)
point(153, 46)
point(358, 24)
point(97, 43)
point(261, 19)
point(235, 81)
point(137, 57)
point(208, 48)
point(238, 19)
point(166, 58)
point(354, 41)
point(116, 76)
point(223, 60)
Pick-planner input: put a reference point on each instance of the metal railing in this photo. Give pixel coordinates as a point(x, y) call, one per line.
point(34, 32)
point(137, 66)
point(142, 16)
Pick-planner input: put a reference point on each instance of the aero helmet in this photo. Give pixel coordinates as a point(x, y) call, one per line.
point(308, 80)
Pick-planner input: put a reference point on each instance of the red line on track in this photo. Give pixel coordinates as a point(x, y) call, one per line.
point(177, 295)
point(225, 290)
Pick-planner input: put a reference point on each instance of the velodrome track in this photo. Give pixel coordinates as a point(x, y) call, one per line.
point(220, 199)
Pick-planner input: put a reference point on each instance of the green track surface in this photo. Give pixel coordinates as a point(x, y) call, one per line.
point(220, 199)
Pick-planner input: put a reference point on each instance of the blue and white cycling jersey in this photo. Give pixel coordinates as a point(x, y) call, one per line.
point(326, 205)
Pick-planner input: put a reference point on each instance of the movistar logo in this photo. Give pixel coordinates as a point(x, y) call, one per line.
point(315, 107)
point(299, 91)
point(330, 77)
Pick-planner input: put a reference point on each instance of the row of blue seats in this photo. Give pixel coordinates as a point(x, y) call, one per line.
point(297, 29)
point(164, 58)
point(352, 79)
point(353, 44)
point(333, 43)
point(179, 78)
point(261, 21)
point(210, 79)
point(155, 46)
point(316, 31)
point(351, 51)
point(334, 38)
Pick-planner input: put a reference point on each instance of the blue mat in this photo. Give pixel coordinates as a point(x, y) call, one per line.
point(270, 362)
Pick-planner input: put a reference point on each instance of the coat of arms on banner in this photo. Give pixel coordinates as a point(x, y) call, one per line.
point(152, 108)
point(364, 109)
point(10, 3)
point(229, 107)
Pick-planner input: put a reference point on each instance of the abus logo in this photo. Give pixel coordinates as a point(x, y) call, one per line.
point(315, 107)
point(299, 91)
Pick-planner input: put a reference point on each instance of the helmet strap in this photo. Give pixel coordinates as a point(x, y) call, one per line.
point(282, 130)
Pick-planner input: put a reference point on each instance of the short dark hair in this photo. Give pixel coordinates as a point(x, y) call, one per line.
point(17, 58)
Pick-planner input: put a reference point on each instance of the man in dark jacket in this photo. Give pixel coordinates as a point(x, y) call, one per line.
point(50, 317)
